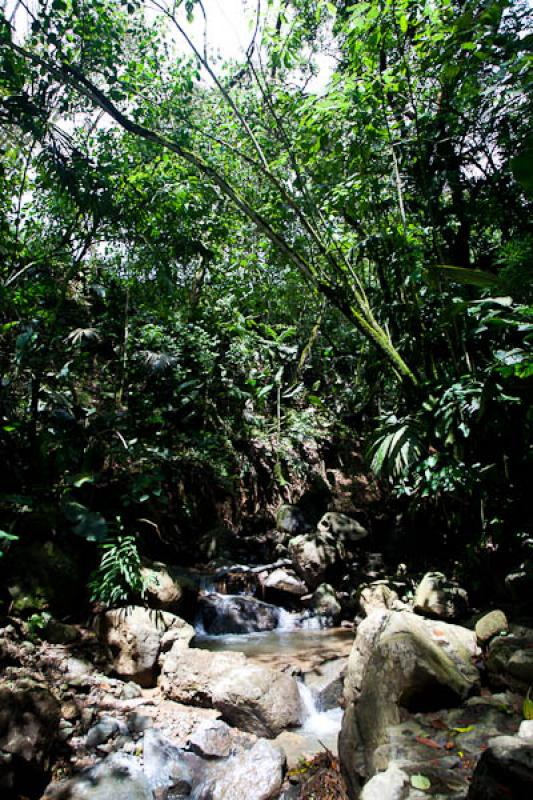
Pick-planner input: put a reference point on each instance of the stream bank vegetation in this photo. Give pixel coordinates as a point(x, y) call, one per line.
point(213, 270)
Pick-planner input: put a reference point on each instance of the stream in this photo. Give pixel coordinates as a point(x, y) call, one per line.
point(301, 645)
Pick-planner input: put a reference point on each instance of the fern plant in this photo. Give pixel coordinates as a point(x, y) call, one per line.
point(119, 576)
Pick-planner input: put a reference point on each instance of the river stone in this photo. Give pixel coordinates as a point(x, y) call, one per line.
point(221, 614)
point(490, 625)
point(342, 526)
point(134, 636)
point(413, 665)
point(215, 739)
point(258, 700)
point(438, 597)
point(250, 697)
point(505, 770)
point(165, 592)
point(119, 777)
point(29, 728)
point(312, 555)
point(254, 774)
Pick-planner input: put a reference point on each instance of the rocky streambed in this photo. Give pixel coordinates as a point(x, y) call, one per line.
point(256, 683)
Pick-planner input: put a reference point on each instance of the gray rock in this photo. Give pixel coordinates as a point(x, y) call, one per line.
point(283, 583)
point(413, 665)
point(119, 777)
point(138, 723)
point(510, 659)
point(256, 699)
point(166, 591)
point(490, 625)
point(505, 770)
point(134, 636)
point(219, 614)
point(215, 739)
point(438, 597)
point(387, 785)
point(165, 764)
point(102, 732)
point(342, 526)
point(312, 556)
point(254, 774)
point(326, 683)
point(378, 595)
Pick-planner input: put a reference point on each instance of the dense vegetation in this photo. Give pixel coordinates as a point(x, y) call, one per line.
point(205, 266)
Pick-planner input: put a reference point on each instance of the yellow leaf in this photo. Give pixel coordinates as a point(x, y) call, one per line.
point(464, 730)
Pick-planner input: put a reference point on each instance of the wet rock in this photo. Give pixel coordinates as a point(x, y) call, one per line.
point(29, 729)
point(291, 520)
point(253, 698)
point(165, 764)
point(119, 777)
point(490, 625)
point(138, 723)
point(254, 774)
point(165, 591)
point(342, 526)
point(219, 614)
point(325, 603)
point(312, 556)
point(327, 682)
point(438, 597)
point(505, 769)
point(414, 665)
point(134, 637)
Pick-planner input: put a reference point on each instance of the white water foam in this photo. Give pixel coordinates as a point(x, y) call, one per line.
point(318, 723)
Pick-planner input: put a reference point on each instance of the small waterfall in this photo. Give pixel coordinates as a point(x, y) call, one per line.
point(315, 722)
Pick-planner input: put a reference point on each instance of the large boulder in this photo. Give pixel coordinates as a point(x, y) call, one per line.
point(342, 527)
point(218, 614)
point(134, 636)
point(29, 729)
point(436, 596)
point(312, 555)
point(413, 666)
point(505, 770)
point(250, 697)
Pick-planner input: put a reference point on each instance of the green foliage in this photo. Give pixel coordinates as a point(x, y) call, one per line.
point(118, 577)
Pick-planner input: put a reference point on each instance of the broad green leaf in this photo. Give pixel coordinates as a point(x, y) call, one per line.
point(420, 782)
